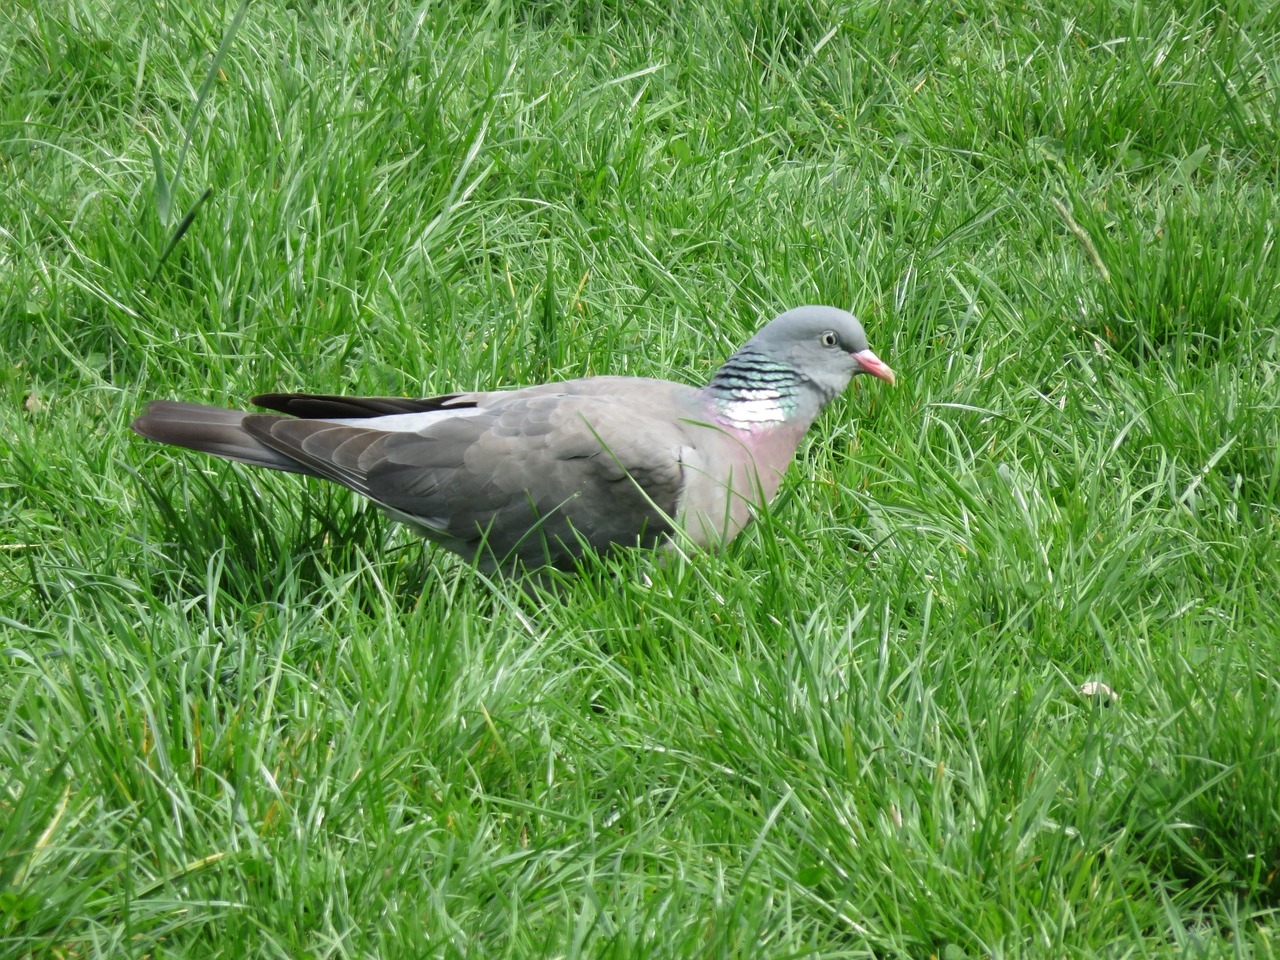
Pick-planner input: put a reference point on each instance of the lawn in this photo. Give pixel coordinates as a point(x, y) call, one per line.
point(245, 715)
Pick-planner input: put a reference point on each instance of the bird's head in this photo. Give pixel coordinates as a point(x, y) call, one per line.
point(825, 345)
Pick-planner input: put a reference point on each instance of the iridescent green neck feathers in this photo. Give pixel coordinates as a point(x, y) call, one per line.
point(752, 390)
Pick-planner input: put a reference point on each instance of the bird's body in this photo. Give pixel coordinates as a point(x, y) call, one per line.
point(533, 476)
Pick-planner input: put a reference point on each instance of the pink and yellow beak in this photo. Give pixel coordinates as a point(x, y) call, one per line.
point(873, 365)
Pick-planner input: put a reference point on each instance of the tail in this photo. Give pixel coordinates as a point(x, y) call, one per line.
point(211, 430)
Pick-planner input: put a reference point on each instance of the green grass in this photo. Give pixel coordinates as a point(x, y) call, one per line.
point(245, 715)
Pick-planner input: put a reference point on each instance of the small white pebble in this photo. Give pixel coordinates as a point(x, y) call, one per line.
point(1095, 688)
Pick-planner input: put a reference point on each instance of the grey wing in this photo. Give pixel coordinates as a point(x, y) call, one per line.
point(531, 477)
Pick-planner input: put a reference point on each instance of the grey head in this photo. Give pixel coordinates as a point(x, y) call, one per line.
point(794, 366)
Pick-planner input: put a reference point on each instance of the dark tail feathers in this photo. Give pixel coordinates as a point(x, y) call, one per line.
point(210, 430)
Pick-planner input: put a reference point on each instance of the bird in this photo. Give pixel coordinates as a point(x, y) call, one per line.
point(538, 476)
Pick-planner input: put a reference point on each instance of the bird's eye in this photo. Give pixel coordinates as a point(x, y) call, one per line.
point(829, 338)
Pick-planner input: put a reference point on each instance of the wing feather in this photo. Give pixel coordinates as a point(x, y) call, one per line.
point(572, 468)
point(329, 407)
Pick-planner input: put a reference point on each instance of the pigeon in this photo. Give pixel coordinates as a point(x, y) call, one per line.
point(538, 476)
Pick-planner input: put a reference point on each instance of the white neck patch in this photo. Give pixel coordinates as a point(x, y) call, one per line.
point(754, 408)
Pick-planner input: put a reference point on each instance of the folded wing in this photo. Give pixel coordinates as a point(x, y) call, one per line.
point(529, 475)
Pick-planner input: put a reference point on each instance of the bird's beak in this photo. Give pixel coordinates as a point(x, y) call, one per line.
point(873, 365)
